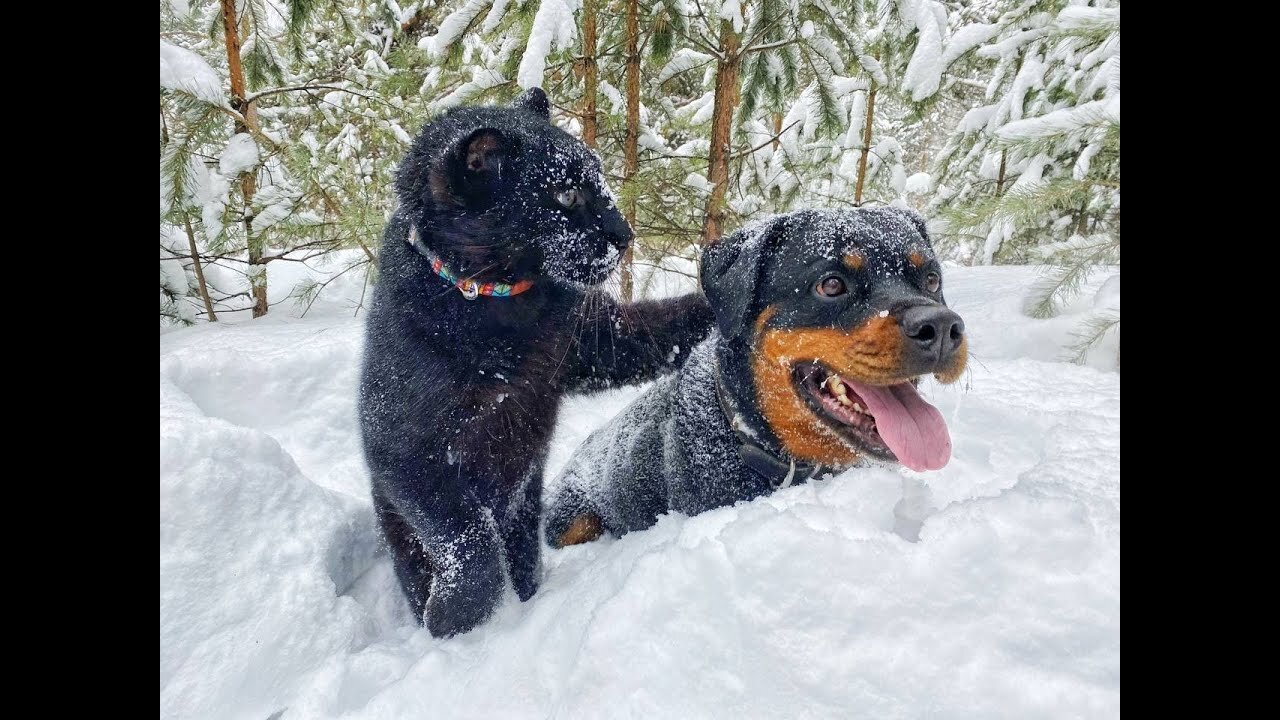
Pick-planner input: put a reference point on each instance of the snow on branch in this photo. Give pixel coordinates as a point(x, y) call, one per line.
point(554, 25)
point(924, 71)
point(1088, 18)
point(184, 71)
point(452, 27)
point(495, 16)
point(684, 60)
point(1062, 122)
point(482, 79)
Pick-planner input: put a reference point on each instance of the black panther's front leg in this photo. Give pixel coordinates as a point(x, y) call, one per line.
point(408, 556)
point(626, 344)
point(446, 552)
point(518, 526)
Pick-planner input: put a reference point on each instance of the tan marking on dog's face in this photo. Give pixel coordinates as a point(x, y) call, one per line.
point(870, 354)
point(765, 316)
point(916, 258)
point(585, 528)
point(853, 261)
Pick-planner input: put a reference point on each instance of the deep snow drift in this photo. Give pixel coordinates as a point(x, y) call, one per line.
point(989, 589)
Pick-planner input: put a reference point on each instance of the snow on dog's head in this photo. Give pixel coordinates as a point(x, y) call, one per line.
point(831, 317)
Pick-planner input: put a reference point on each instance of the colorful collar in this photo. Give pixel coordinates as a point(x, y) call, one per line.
point(469, 288)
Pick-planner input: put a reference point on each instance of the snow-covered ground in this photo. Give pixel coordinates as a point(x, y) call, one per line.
point(989, 589)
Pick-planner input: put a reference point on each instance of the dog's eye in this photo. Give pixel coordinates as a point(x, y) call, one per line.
point(831, 287)
point(569, 197)
point(933, 282)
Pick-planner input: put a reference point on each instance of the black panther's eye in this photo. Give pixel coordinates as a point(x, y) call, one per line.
point(569, 197)
point(933, 282)
point(831, 287)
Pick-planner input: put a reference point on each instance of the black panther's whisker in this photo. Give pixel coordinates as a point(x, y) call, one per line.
point(571, 340)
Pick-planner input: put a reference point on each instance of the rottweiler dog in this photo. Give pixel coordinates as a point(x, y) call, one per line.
point(825, 321)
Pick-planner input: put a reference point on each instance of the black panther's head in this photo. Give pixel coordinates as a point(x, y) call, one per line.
point(502, 194)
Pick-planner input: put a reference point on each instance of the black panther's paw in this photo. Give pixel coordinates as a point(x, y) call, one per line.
point(526, 580)
point(460, 608)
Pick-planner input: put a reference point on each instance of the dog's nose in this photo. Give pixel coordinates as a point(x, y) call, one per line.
point(933, 330)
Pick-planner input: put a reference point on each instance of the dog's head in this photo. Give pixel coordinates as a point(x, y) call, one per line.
point(839, 313)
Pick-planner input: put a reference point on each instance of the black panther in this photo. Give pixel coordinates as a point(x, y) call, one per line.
point(487, 310)
point(826, 319)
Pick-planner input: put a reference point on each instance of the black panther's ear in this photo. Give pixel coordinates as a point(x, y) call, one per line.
point(468, 171)
point(534, 100)
point(731, 270)
point(483, 152)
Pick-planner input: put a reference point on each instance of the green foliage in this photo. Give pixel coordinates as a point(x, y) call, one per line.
point(666, 28)
point(1073, 264)
point(332, 120)
point(1053, 131)
point(340, 89)
point(300, 12)
point(1091, 333)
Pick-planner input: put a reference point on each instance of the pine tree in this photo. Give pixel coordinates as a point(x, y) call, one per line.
point(705, 115)
point(892, 64)
point(1035, 173)
point(1051, 108)
point(297, 160)
point(778, 47)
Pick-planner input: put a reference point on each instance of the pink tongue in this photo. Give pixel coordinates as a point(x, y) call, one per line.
point(912, 428)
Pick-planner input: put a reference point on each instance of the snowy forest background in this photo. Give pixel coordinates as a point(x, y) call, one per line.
point(282, 123)
point(987, 589)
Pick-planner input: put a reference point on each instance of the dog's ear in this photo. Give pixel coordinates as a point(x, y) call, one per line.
point(534, 100)
point(731, 270)
point(471, 168)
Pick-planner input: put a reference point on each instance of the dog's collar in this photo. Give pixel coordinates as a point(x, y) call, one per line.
point(469, 288)
point(763, 462)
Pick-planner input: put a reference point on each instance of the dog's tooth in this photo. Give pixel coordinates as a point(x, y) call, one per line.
point(843, 400)
point(858, 408)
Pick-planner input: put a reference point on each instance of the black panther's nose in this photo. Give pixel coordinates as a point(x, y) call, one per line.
point(933, 331)
point(618, 231)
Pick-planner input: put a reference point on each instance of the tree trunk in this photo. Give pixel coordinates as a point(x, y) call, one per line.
point(866, 142)
point(1000, 178)
point(631, 144)
point(726, 98)
point(1082, 220)
point(589, 71)
point(777, 130)
point(195, 260)
point(248, 180)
